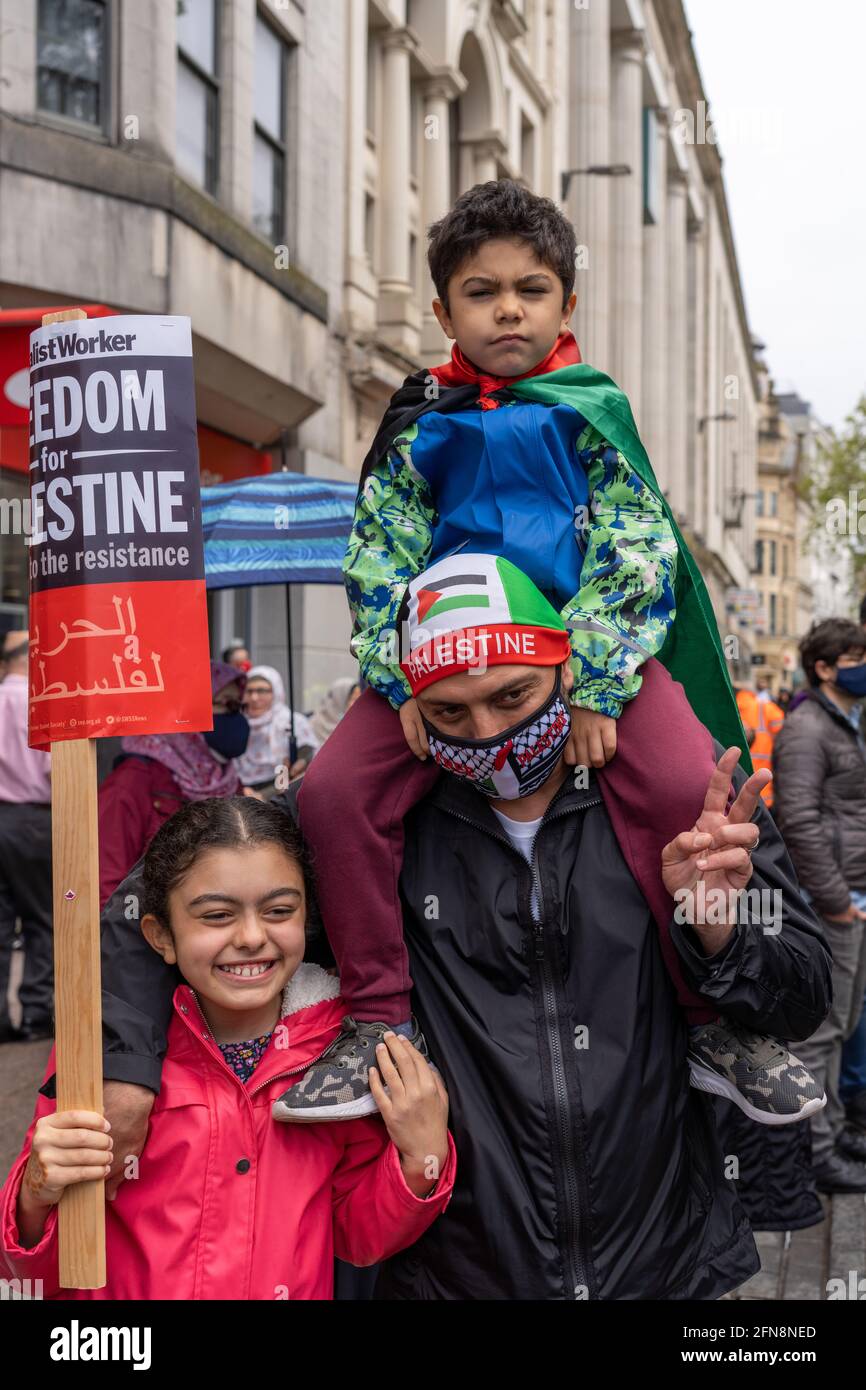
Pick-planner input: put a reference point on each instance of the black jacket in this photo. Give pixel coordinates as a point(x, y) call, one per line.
point(587, 1166)
point(819, 796)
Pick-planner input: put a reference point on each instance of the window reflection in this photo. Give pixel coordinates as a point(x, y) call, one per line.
point(70, 73)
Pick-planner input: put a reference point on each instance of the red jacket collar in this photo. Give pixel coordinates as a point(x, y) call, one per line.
point(460, 370)
point(296, 1041)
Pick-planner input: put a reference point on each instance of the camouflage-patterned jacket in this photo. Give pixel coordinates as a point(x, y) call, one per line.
point(539, 485)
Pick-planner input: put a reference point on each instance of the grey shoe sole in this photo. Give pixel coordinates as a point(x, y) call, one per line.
point(704, 1079)
point(349, 1110)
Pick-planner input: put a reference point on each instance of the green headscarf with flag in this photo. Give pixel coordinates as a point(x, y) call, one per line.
point(693, 650)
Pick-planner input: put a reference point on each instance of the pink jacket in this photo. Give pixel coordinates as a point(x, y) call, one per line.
point(230, 1204)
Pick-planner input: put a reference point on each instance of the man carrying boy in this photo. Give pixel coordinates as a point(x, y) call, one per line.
point(513, 448)
point(587, 1168)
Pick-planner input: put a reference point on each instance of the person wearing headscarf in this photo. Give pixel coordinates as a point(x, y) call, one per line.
point(338, 698)
point(270, 721)
point(159, 772)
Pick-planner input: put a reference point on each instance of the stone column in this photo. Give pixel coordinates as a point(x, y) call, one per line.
point(588, 201)
point(395, 290)
point(677, 337)
point(236, 108)
point(438, 94)
point(655, 413)
point(144, 98)
point(626, 147)
point(394, 162)
point(360, 288)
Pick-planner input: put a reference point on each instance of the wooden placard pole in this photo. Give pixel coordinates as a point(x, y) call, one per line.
point(77, 984)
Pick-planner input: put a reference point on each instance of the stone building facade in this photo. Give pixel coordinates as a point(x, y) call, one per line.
point(271, 169)
point(187, 156)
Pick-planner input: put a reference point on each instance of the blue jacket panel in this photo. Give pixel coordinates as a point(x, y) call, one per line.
point(507, 482)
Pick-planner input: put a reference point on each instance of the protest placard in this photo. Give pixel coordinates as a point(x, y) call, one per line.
point(119, 643)
point(118, 616)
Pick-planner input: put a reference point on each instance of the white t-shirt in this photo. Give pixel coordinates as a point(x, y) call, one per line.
point(522, 835)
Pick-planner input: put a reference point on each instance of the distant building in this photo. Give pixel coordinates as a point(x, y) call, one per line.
point(828, 571)
point(782, 569)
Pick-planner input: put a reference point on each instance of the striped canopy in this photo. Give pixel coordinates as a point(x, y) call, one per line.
point(280, 528)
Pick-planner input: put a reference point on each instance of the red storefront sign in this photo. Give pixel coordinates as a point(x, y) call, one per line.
point(222, 458)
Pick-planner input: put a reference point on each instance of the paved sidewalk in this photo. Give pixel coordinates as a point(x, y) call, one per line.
point(795, 1264)
point(801, 1264)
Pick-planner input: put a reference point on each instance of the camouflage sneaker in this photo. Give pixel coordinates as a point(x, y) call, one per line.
point(758, 1074)
point(337, 1086)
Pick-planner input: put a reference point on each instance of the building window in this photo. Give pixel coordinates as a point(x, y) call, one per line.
point(759, 557)
point(759, 502)
point(772, 615)
point(774, 504)
point(454, 148)
point(71, 49)
point(414, 130)
point(372, 85)
point(198, 92)
point(785, 628)
point(784, 562)
point(413, 261)
point(773, 549)
point(370, 229)
point(269, 140)
point(652, 180)
point(527, 150)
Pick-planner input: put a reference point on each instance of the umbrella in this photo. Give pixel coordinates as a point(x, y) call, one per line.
point(278, 528)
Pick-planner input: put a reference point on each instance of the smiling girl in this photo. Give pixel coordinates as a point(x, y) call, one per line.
point(224, 1203)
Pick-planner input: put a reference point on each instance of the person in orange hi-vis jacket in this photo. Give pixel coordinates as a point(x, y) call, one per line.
point(762, 720)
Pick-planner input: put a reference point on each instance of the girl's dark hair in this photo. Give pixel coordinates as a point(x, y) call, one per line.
point(217, 823)
point(501, 208)
point(827, 641)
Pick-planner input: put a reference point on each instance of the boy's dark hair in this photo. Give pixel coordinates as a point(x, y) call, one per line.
point(500, 208)
point(827, 641)
point(216, 823)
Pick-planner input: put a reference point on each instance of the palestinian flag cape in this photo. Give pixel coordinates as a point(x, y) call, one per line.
point(692, 652)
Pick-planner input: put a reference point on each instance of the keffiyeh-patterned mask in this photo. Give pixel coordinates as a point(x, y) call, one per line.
point(514, 763)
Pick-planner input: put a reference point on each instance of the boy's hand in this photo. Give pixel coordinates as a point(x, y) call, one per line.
point(68, 1147)
point(413, 728)
point(415, 1111)
point(593, 738)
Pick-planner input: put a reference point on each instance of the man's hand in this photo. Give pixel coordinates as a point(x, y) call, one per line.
point(851, 914)
point(716, 854)
point(592, 741)
point(127, 1107)
point(413, 728)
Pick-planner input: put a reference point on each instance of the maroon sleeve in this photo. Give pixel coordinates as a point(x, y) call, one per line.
point(124, 813)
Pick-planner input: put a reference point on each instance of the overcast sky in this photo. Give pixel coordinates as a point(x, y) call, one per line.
point(786, 83)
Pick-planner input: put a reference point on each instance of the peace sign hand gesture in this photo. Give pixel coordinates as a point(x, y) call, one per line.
point(704, 869)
